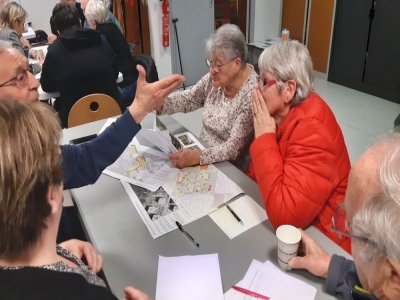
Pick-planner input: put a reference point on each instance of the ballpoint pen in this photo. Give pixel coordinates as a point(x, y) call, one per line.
point(234, 214)
point(250, 293)
point(186, 233)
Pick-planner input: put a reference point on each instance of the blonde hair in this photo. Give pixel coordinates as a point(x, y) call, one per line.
point(30, 162)
point(11, 12)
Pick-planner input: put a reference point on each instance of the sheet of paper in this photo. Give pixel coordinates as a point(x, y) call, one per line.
point(160, 139)
point(189, 277)
point(174, 201)
point(247, 210)
point(142, 166)
point(268, 280)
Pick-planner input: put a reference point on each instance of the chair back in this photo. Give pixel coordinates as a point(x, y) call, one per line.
point(149, 65)
point(92, 108)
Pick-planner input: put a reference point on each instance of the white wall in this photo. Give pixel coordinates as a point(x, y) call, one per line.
point(161, 55)
point(266, 19)
point(39, 12)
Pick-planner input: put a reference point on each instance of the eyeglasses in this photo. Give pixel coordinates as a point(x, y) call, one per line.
point(339, 221)
point(19, 81)
point(213, 66)
point(265, 82)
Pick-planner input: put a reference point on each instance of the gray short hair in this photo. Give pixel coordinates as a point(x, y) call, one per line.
point(96, 11)
point(379, 218)
point(229, 41)
point(289, 60)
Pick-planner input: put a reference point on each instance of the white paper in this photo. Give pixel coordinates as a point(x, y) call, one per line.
point(268, 280)
point(189, 277)
point(172, 202)
point(142, 166)
point(247, 210)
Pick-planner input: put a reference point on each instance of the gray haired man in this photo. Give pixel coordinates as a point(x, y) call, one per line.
point(372, 207)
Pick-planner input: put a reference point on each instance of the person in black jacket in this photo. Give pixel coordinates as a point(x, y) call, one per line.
point(80, 62)
point(80, 13)
point(96, 13)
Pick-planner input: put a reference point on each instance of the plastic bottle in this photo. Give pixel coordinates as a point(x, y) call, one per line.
point(285, 35)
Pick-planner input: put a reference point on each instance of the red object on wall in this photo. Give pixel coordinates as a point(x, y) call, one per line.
point(165, 23)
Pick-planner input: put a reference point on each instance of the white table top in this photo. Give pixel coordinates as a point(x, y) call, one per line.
point(131, 255)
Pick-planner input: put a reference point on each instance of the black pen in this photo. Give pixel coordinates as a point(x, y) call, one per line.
point(186, 233)
point(234, 214)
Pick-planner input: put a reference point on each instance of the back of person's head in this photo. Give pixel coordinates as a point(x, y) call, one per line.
point(97, 12)
point(229, 41)
point(12, 12)
point(378, 219)
point(65, 16)
point(289, 60)
point(30, 162)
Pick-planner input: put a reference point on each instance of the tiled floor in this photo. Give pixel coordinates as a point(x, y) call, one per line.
point(361, 116)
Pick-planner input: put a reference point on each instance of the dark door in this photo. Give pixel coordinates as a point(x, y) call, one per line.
point(350, 41)
point(382, 69)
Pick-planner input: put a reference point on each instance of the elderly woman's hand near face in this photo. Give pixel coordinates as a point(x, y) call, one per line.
point(263, 122)
point(185, 158)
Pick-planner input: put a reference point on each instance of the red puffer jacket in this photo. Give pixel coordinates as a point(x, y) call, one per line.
point(302, 170)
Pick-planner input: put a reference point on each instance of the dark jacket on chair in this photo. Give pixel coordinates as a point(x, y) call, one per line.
point(79, 63)
point(123, 57)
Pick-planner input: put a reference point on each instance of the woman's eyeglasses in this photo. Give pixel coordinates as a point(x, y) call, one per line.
point(217, 67)
point(265, 82)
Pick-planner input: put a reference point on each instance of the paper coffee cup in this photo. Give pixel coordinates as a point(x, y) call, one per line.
point(288, 243)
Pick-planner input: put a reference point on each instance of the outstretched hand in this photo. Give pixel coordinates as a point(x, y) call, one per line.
point(315, 259)
point(151, 96)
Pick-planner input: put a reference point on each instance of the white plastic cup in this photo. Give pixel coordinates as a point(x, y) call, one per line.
point(288, 243)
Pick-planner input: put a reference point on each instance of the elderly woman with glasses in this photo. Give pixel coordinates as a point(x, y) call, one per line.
point(298, 158)
point(225, 95)
point(12, 19)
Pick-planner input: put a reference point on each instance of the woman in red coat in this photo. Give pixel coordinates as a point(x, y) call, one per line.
point(299, 157)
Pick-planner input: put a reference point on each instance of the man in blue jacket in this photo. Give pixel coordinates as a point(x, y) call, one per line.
point(371, 213)
point(83, 164)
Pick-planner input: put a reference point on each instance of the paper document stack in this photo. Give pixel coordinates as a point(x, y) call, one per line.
point(269, 281)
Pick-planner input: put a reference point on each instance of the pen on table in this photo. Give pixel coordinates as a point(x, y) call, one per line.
point(250, 293)
point(234, 214)
point(186, 233)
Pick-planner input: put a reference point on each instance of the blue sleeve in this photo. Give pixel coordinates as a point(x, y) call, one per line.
point(83, 164)
point(335, 281)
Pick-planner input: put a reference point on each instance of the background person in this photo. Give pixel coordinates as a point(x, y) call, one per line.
point(298, 158)
point(225, 95)
point(80, 62)
point(12, 19)
point(372, 208)
point(30, 211)
point(96, 13)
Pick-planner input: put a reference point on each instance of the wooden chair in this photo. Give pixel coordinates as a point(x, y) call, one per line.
point(92, 108)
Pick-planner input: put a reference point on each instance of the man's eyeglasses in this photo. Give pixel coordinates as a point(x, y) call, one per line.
point(339, 224)
point(19, 81)
point(217, 67)
point(265, 82)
